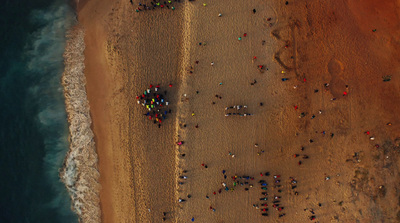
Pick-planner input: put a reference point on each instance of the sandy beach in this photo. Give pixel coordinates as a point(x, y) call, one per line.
point(320, 82)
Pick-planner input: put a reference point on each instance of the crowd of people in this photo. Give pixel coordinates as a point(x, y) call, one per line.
point(276, 202)
point(155, 4)
point(157, 111)
point(155, 104)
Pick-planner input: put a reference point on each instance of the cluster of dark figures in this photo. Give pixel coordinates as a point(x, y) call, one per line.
point(155, 104)
point(312, 217)
point(264, 209)
point(238, 108)
point(276, 203)
point(164, 218)
point(242, 181)
point(293, 185)
point(304, 157)
point(155, 4)
point(182, 177)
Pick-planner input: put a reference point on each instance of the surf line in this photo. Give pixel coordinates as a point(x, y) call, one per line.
point(80, 169)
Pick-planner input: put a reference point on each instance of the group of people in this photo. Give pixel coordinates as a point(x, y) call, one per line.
point(155, 104)
point(155, 4)
point(276, 202)
point(264, 209)
point(237, 181)
point(304, 157)
point(237, 108)
point(245, 181)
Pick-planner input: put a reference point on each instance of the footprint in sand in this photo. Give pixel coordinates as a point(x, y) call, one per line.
point(335, 67)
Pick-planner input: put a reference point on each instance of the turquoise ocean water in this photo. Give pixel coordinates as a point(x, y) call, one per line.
point(34, 129)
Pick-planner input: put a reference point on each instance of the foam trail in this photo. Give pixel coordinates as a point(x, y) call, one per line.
point(80, 172)
point(45, 65)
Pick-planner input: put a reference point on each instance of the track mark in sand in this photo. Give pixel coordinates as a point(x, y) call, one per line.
point(274, 19)
point(291, 28)
point(277, 56)
point(335, 67)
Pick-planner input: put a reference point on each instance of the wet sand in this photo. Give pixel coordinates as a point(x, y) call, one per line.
point(310, 44)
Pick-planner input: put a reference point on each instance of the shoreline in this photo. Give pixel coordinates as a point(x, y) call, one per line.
point(79, 173)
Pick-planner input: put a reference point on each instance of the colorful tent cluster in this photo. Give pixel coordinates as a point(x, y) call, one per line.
point(155, 104)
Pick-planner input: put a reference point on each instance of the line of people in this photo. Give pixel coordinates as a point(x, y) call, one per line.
point(276, 203)
point(239, 114)
point(237, 107)
point(264, 209)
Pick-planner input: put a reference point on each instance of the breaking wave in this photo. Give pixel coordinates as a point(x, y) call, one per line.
point(80, 171)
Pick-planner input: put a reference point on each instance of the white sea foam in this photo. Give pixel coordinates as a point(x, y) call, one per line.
point(80, 171)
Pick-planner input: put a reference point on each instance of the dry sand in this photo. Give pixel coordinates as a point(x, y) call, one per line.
point(327, 42)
